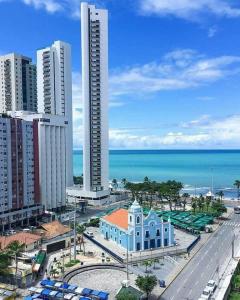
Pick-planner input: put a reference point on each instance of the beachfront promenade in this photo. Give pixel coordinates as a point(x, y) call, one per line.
point(207, 264)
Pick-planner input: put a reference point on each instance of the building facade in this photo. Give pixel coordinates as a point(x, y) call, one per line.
point(130, 229)
point(54, 81)
point(52, 145)
point(19, 171)
point(94, 37)
point(18, 83)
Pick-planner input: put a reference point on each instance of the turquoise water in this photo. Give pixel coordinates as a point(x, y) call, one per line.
point(193, 168)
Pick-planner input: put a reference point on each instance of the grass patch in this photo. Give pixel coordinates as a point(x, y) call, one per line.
point(234, 296)
point(72, 263)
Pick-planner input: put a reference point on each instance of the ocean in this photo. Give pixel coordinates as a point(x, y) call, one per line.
point(196, 169)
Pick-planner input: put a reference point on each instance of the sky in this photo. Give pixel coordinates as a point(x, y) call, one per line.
point(174, 66)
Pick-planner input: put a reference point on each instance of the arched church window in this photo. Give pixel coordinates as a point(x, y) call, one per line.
point(138, 220)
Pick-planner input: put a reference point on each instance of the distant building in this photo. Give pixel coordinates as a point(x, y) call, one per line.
point(18, 83)
point(52, 147)
point(130, 229)
point(94, 35)
point(54, 81)
point(19, 171)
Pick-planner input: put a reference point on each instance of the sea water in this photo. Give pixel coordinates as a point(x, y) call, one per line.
point(196, 169)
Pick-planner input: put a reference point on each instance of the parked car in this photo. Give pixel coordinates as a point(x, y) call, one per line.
point(212, 285)
point(162, 283)
point(206, 294)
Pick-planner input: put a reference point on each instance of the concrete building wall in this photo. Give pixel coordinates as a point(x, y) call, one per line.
point(52, 141)
point(94, 36)
point(142, 233)
point(18, 86)
point(54, 78)
point(18, 200)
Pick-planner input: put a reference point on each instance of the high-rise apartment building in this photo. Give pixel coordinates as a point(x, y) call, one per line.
point(94, 37)
point(52, 146)
point(19, 171)
point(54, 81)
point(18, 83)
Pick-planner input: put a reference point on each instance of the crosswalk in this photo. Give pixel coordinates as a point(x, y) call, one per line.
point(233, 224)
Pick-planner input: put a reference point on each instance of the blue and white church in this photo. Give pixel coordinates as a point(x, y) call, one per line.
point(130, 229)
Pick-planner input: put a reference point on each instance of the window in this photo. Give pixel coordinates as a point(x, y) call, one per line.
point(138, 220)
point(130, 218)
point(147, 234)
point(158, 232)
point(165, 229)
point(138, 233)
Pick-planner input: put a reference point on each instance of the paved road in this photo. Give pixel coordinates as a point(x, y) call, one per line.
point(206, 264)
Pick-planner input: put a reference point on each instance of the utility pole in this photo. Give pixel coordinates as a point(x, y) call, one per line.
point(233, 240)
point(127, 260)
point(74, 251)
point(212, 183)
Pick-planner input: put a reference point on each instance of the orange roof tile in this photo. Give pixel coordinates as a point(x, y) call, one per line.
point(55, 229)
point(22, 237)
point(119, 218)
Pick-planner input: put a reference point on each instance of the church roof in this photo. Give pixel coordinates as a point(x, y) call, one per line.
point(118, 217)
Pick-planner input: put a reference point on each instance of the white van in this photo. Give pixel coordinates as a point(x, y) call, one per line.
point(90, 233)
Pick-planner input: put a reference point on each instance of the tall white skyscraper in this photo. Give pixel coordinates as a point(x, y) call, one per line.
point(94, 37)
point(18, 83)
point(54, 80)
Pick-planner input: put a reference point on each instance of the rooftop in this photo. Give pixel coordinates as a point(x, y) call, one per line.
point(54, 229)
point(118, 218)
point(22, 237)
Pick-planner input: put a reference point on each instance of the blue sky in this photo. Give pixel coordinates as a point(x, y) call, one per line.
point(174, 66)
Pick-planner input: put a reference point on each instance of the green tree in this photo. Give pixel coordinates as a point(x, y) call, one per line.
point(78, 179)
point(147, 264)
point(194, 204)
point(15, 249)
point(237, 185)
point(4, 263)
point(185, 196)
point(54, 272)
point(220, 194)
point(208, 202)
point(155, 261)
point(80, 230)
point(146, 283)
point(114, 184)
point(124, 181)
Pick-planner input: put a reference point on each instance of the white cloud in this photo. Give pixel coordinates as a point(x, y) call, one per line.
point(189, 9)
point(50, 6)
point(212, 31)
point(222, 133)
point(68, 7)
point(180, 69)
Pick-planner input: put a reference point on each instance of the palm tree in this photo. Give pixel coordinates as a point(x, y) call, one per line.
point(115, 184)
point(54, 272)
point(221, 195)
point(147, 263)
point(15, 249)
point(208, 201)
point(194, 205)
point(185, 196)
point(124, 181)
point(237, 185)
point(155, 261)
point(80, 230)
point(146, 284)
